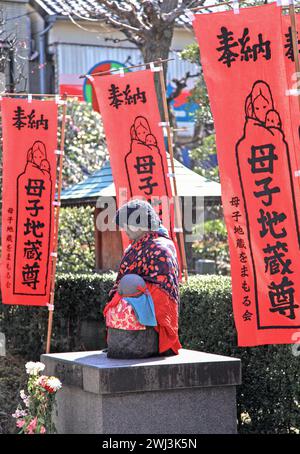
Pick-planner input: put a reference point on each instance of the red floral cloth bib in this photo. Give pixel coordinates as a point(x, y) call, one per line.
point(122, 316)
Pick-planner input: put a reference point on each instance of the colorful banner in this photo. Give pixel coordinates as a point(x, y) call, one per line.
point(29, 176)
point(135, 140)
point(244, 68)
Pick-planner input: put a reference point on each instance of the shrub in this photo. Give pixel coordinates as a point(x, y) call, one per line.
point(76, 240)
point(214, 245)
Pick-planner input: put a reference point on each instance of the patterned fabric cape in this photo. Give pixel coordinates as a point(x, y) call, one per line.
point(153, 257)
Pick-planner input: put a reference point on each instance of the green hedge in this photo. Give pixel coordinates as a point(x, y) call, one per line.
point(79, 298)
point(267, 399)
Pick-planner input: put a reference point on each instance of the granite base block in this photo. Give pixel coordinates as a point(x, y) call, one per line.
point(191, 393)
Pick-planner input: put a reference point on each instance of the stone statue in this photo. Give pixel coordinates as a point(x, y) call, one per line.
point(142, 315)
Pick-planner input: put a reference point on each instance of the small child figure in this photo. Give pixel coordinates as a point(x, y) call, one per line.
point(151, 140)
point(133, 289)
point(273, 119)
point(45, 165)
point(131, 284)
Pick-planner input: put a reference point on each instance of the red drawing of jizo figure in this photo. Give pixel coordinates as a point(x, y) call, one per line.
point(144, 163)
point(33, 223)
point(264, 167)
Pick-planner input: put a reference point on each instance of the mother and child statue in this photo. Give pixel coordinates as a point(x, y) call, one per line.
point(142, 314)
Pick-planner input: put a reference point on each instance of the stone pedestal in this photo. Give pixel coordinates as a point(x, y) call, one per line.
point(192, 393)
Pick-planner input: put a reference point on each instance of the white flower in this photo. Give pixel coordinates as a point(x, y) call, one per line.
point(54, 383)
point(22, 394)
point(33, 368)
point(24, 397)
point(19, 414)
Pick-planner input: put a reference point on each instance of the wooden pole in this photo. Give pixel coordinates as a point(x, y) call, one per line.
point(56, 226)
point(295, 46)
point(178, 219)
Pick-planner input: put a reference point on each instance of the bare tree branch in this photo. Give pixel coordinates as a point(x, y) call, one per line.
point(11, 51)
point(173, 15)
point(116, 13)
point(140, 18)
point(119, 24)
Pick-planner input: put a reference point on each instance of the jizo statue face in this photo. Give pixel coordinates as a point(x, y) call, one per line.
point(133, 233)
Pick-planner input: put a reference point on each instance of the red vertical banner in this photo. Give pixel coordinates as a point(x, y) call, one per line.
point(29, 176)
point(135, 140)
point(245, 72)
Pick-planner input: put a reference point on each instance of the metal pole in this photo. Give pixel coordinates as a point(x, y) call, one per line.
point(42, 57)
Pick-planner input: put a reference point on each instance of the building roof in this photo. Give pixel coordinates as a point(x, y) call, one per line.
point(82, 9)
point(101, 184)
